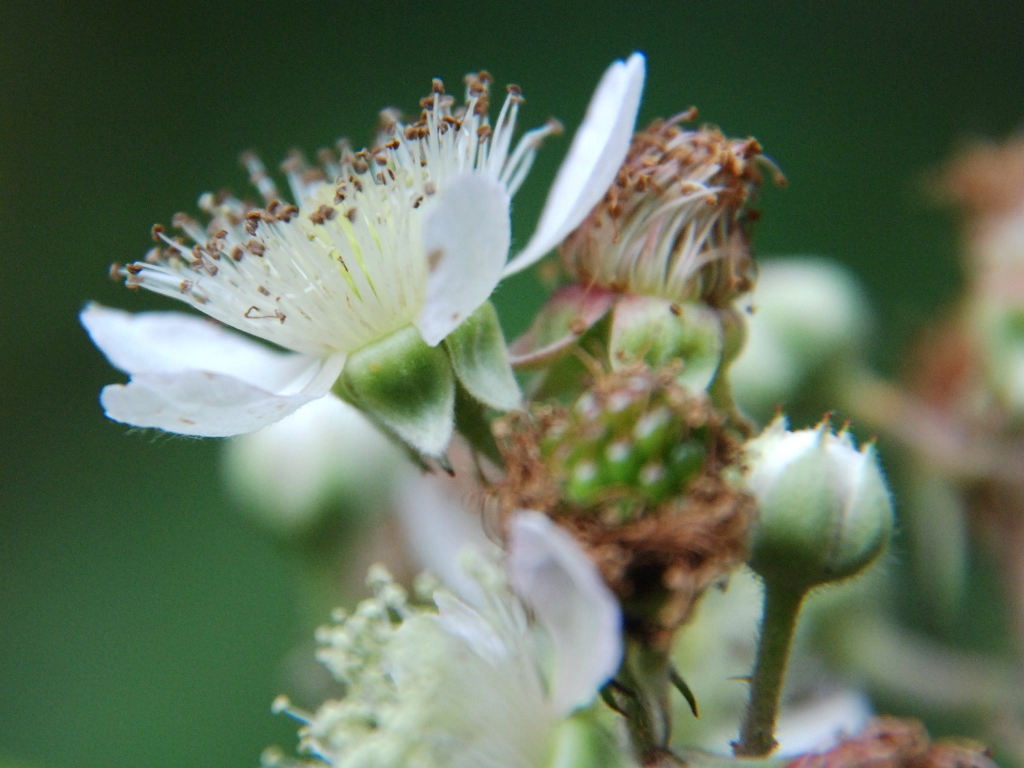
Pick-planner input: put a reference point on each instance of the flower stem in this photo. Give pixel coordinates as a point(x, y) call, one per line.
point(645, 672)
point(781, 607)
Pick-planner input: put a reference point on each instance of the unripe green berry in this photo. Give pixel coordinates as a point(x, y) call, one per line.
point(627, 443)
point(825, 510)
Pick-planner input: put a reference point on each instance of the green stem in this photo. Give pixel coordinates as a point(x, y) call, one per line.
point(781, 607)
point(645, 673)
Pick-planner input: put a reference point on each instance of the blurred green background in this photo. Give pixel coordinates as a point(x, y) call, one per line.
point(142, 619)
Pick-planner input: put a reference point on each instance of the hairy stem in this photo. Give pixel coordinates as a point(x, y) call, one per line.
point(781, 607)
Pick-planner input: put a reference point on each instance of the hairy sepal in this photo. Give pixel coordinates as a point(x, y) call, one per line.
point(406, 385)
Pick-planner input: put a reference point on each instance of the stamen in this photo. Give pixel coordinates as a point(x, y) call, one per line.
point(258, 176)
point(300, 275)
point(282, 704)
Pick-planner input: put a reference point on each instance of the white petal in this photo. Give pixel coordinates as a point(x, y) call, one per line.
point(196, 403)
point(438, 529)
point(563, 587)
point(461, 620)
point(821, 723)
point(598, 150)
point(466, 235)
point(169, 342)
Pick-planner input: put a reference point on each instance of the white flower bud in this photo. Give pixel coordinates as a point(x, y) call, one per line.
point(805, 312)
point(825, 511)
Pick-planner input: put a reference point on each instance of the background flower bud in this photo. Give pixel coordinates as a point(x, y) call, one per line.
point(825, 511)
point(806, 313)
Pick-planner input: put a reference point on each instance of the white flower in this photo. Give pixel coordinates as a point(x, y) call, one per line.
point(414, 234)
point(470, 687)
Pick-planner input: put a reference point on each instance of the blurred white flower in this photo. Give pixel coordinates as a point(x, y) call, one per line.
point(434, 511)
point(288, 473)
point(482, 686)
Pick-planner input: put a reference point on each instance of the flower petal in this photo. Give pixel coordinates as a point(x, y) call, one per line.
point(197, 403)
point(597, 152)
point(466, 235)
point(171, 342)
point(563, 587)
point(438, 529)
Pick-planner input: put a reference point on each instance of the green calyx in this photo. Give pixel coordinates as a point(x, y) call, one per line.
point(405, 385)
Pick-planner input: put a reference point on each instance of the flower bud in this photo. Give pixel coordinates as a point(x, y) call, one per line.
point(825, 511)
point(806, 313)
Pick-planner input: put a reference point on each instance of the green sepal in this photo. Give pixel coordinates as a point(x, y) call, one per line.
point(582, 741)
point(472, 423)
point(569, 375)
point(569, 313)
point(407, 386)
point(480, 359)
point(659, 331)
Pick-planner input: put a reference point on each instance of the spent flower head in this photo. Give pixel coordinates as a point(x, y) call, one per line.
point(663, 253)
point(671, 225)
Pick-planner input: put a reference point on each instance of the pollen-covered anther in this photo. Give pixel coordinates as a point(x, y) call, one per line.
point(322, 214)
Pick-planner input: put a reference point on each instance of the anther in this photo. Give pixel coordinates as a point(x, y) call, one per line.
point(156, 231)
point(322, 214)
